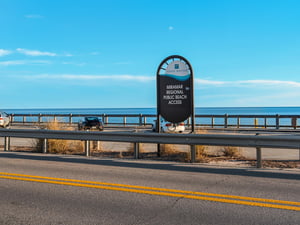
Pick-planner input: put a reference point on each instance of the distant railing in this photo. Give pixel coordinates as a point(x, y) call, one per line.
point(213, 121)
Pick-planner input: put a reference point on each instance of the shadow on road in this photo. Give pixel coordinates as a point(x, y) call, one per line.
point(145, 164)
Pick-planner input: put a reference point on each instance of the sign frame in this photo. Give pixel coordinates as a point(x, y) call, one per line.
point(185, 82)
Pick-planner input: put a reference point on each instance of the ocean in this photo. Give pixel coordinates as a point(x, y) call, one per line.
point(272, 111)
point(198, 111)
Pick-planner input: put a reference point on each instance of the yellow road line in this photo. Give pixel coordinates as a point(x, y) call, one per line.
point(157, 191)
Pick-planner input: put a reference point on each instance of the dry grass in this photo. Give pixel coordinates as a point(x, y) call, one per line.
point(130, 150)
point(171, 152)
point(168, 151)
point(231, 152)
point(58, 145)
point(201, 150)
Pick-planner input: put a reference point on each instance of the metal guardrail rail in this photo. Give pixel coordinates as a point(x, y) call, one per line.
point(225, 120)
point(256, 141)
point(269, 141)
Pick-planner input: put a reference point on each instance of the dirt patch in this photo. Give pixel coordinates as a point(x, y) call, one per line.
point(278, 163)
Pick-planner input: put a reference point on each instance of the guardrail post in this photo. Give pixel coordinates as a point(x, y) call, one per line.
point(277, 121)
point(158, 150)
point(6, 143)
point(226, 120)
point(258, 156)
point(87, 147)
point(45, 145)
point(193, 153)
point(212, 122)
point(136, 150)
point(238, 122)
point(124, 120)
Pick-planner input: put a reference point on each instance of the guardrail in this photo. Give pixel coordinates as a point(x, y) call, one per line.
point(256, 141)
point(213, 121)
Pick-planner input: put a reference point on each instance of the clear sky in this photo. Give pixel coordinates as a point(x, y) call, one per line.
point(105, 53)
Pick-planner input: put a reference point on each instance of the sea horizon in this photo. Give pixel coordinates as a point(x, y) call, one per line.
point(285, 110)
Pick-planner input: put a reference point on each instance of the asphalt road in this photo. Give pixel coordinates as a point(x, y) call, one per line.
point(55, 189)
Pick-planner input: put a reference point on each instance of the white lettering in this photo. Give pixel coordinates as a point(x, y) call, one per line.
point(180, 96)
point(172, 92)
point(168, 97)
point(177, 86)
point(175, 102)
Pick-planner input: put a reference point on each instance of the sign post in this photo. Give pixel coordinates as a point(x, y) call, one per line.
point(175, 91)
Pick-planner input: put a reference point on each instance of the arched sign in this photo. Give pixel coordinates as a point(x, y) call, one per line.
point(175, 91)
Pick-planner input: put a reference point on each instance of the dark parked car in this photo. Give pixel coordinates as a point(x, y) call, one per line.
point(90, 123)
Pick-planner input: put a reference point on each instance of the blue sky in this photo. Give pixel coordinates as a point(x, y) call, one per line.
point(96, 54)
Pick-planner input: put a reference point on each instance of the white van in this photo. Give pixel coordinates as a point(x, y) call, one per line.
point(4, 119)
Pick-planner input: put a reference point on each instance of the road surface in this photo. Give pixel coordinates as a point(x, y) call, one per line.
point(57, 189)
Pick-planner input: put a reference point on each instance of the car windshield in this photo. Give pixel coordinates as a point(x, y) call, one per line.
point(92, 119)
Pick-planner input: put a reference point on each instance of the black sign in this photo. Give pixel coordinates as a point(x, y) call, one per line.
point(175, 89)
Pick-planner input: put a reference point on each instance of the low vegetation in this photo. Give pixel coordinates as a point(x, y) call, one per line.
point(231, 152)
point(58, 145)
point(167, 151)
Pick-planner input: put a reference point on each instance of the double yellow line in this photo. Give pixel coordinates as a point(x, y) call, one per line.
point(269, 203)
